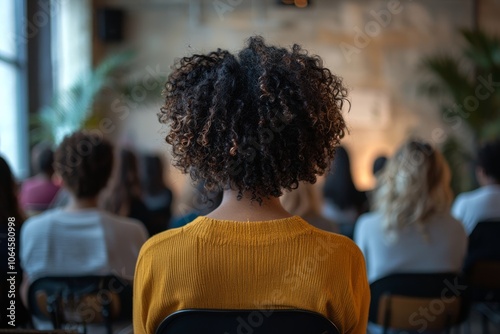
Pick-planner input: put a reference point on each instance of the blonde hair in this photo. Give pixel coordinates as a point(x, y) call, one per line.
point(414, 185)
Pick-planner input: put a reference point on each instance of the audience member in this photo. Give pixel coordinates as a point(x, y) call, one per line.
point(157, 196)
point(378, 166)
point(199, 202)
point(343, 202)
point(255, 125)
point(38, 192)
point(304, 202)
point(11, 220)
point(123, 195)
point(412, 229)
point(483, 203)
point(81, 239)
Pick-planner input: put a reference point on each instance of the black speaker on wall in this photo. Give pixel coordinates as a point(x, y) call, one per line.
point(110, 24)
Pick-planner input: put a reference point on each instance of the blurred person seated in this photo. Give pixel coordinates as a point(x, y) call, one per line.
point(304, 202)
point(11, 220)
point(81, 239)
point(411, 229)
point(250, 253)
point(483, 203)
point(378, 166)
point(343, 202)
point(156, 196)
point(38, 192)
point(123, 195)
point(198, 202)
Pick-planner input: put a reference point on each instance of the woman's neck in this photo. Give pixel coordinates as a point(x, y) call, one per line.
point(247, 210)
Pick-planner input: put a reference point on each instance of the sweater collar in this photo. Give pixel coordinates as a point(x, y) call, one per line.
point(224, 231)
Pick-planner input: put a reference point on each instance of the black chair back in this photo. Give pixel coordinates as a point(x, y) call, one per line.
point(198, 321)
point(397, 300)
point(81, 300)
point(483, 243)
point(482, 268)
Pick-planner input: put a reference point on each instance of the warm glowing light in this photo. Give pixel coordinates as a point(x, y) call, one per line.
point(301, 3)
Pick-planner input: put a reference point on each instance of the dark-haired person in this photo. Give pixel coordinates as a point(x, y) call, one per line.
point(11, 221)
point(253, 124)
point(484, 202)
point(38, 192)
point(343, 203)
point(81, 239)
point(123, 195)
point(157, 196)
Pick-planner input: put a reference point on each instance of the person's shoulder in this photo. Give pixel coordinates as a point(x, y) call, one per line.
point(473, 195)
point(447, 219)
point(333, 243)
point(161, 240)
point(122, 222)
point(368, 219)
point(40, 226)
point(42, 219)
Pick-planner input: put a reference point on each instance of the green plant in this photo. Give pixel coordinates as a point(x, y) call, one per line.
point(467, 90)
point(70, 109)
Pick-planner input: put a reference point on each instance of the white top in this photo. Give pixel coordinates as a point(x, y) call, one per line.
point(475, 206)
point(86, 242)
point(411, 252)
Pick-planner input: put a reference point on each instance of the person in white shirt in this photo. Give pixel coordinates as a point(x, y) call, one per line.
point(483, 203)
point(411, 229)
point(81, 239)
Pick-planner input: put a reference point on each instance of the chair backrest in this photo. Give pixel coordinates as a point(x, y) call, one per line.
point(483, 243)
point(80, 300)
point(198, 321)
point(418, 301)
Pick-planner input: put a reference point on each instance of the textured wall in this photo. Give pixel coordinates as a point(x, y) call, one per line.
point(374, 45)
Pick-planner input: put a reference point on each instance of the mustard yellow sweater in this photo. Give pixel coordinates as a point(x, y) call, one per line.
point(283, 263)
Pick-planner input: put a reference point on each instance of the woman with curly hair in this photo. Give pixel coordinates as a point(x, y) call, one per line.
point(411, 229)
point(253, 124)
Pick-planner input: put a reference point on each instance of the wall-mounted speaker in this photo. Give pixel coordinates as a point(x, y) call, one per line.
point(110, 24)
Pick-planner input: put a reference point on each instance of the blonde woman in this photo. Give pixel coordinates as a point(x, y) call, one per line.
point(411, 229)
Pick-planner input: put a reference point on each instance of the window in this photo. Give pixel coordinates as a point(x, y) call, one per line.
point(13, 115)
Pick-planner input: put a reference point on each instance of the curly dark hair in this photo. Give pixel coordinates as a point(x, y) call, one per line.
point(489, 159)
point(260, 122)
point(84, 162)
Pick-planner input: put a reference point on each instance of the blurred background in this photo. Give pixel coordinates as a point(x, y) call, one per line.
point(423, 68)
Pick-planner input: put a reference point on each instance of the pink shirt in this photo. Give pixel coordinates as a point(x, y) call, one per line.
point(37, 193)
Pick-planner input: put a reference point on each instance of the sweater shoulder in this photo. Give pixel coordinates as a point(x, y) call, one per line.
point(161, 239)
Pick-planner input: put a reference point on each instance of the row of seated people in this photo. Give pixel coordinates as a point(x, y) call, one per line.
point(414, 218)
point(136, 188)
point(406, 189)
point(249, 252)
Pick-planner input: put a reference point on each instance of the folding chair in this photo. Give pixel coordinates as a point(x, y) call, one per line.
point(81, 300)
point(482, 270)
point(418, 302)
point(198, 321)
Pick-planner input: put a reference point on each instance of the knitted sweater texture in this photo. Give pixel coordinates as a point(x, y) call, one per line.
point(283, 263)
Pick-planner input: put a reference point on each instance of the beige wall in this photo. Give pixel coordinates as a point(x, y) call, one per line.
point(381, 69)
